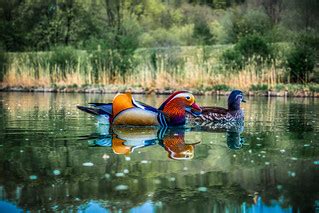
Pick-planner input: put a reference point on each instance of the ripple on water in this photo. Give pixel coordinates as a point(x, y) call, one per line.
point(121, 187)
point(88, 164)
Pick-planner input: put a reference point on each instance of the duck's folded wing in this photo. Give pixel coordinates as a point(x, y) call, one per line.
point(217, 110)
point(107, 108)
point(214, 113)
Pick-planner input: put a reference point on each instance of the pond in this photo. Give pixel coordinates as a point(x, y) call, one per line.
point(54, 157)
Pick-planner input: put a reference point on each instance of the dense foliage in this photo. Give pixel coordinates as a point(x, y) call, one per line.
point(111, 31)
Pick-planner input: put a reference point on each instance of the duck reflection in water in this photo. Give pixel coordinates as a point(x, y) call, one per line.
point(233, 131)
point(125, 140)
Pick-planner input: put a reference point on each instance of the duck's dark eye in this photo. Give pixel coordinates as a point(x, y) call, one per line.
point(187, 97)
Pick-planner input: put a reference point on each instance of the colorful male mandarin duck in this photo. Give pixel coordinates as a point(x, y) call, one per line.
point(219, 114)
point(124, 110)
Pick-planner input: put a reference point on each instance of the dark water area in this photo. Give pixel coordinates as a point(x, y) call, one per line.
point(54, 157)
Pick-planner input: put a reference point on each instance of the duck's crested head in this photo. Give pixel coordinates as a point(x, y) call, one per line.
point(234, 99)
point(182, 100)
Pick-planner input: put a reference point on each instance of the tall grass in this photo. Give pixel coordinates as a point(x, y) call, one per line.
point(174, 67)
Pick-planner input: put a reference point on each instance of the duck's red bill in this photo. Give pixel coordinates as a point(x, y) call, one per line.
point(195, 107)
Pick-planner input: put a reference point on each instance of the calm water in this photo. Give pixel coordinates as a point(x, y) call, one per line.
point(56, 158)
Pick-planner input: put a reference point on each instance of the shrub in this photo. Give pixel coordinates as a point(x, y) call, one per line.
point(4, 63)
point(63, 60)
point(253, 22)
point(300, 63)
point(259, 87)
point(233, 59)
point(314, 87)
point(253, 45)
point(221, 87)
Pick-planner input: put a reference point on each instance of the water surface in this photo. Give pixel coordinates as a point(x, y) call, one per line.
point(54, 157)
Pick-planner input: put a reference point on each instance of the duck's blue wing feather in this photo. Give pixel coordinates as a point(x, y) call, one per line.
point(103, 107)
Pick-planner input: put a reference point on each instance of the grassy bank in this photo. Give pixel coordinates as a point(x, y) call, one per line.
point(200, 69)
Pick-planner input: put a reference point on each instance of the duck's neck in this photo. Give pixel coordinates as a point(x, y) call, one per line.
point(234, 106)
point(175, 113)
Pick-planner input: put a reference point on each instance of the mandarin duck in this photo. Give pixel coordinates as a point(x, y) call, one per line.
point(218, 114)
point(124, 110)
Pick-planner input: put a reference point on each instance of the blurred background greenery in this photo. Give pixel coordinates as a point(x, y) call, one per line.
point(203, 44)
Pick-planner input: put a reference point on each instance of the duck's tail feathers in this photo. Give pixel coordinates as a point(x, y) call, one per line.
point(93, 111)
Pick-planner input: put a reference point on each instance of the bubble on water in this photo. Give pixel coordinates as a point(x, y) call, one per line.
point(279, 187)
point(144, 161)
point(21, 151)
point(264, 156)
point(250, 151)
point(105, 156)
point(234, 155)
point(211, 142)
point(306, 145)
point(107, 176)
point(316, 162)
point(259, 155)
point(121, 187)
point(172, 179)
point(185, 168)
point(26, 139)
point(267, 163)
point(56, 172)
point(139, 152)
point(258, 139)
point(202, 189)
point(202, 172)
point(291, 174)
point(294, 158)
point(126, 171)
point(262, 152)
point(33, 177)
point(88, 164)
point(252, 161)
point(127, 158)
point(135, 181)
point(119, 174)
point(282, 151)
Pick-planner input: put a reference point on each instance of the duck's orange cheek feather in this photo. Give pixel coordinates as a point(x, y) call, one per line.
point(136, 116)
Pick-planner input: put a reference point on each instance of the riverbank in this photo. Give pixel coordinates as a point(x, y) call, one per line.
point(287, 91)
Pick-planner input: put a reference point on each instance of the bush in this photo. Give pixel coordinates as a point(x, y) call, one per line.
point(4, 62)
point(63, 60)
point(233, 59)
point(221, 87)
point(314, 87)
point(253, 22)
point(300, 63)
point(259, 87)
point(253, 45)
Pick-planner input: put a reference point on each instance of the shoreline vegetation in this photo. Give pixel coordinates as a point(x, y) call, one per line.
point(200, 69)
point(294, 91)
point(265, 47)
